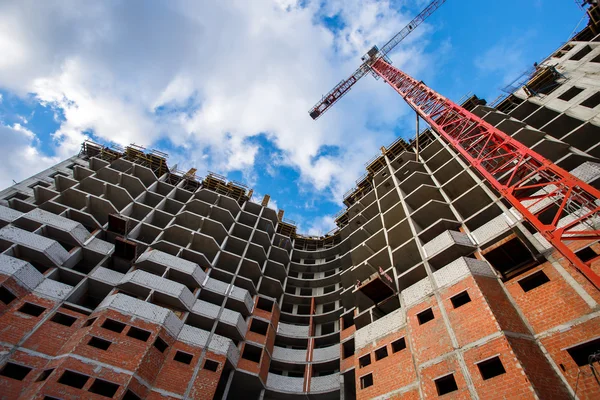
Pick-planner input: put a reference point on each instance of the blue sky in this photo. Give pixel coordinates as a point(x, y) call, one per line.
point(225, 86)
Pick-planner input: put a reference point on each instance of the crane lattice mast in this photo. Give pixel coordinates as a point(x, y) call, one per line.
point(539, 190)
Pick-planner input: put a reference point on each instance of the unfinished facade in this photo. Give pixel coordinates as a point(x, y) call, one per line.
point(121, 278)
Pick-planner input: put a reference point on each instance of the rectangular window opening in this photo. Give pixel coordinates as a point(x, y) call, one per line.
point(184, 358)
point(73, 379)
point(445, 384)
point(347, 349)
point(398, 345)
point(327, 328)
point(104, 388)
point(381, 353)
point(425, 316)
point(460, 299)
point(211, 365)
point(15, 371)
point(138, 334)
point(364, 361)
point(63, 319)
point(113, 325)
point(491, 368)
point(6, 296)
point(569, 94)
point(586, 254)
point(160, 344)
point(99, 343)
point(44, 375)
point(252, 353)
point(533, 281)
point(259, 326)
point(32, 309)
point(264, 304)
point(366, 381)
point(581, 53)
point(592, 101)
point(582, 352)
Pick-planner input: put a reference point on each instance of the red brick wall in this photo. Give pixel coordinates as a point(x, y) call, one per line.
point(431, 339)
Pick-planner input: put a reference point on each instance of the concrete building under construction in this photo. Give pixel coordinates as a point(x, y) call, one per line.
point(123, 278)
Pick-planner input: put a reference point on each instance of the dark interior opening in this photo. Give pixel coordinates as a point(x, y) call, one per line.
point(327, 328)
point(182, 357)
point(305, 292)
point(347, 349)
point(366, 381)
point(364, 361)
point(99, 343)
point(32, 309)
point(6, 296)
point(581, 53)
point(89, 322)
point(63, 319)
point(347, 320)
point(581, 353)
point(460, 299)
point(264, 304)
point(569, 94)
point(73, 379)
point(328, 307)
point(381, 353)
point(160, 344)
point(586, 254)
point(252, 353)
point(113, 325)
point(104, 388)
point(491, 368)
point(15, 371)
point(510, 257)
point(592, 101)
point(398, 345)
point(445, 384)
point(44, 375)
point(211, 365)
point(533, 281)
point(425, 316)
point(129, 395)
point(138, 334)
point(259, 326)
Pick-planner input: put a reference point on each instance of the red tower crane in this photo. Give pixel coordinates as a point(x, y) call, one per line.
point(560, 206)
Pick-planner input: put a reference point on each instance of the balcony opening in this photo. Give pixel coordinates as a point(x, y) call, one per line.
point(425, 316)
point(329, 289)
point(460, 299)
point(6, 296)
point(398, 345)
point(15, 371)
point(259, 326)
point(328, 307)
point(381, 353)
point(347, 349)
point(491, 368)
point(364, 361)
point(184, 358)
point(211, 365)
point(347, 320)
point(366, 381)
point(44, 375)
point(63, 319)
point(160, 344)
point(445, 384)
point(138, 334)
point(32, 309)
point(533, 281)
point(252, 353)
point(73, 379)
point(264, 304)
point(305, 292)
point(104, 388)
point(113, 325)
point(582, 353)
point(99, 343)
point(511, 258)
point(327, 328)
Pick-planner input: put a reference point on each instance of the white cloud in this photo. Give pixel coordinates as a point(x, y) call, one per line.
point(321, 225)
point(207, 76)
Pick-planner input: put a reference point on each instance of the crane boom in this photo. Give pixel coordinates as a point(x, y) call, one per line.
point(368, 59)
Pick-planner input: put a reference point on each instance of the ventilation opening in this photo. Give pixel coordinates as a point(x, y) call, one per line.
point(160, 344)
point(113, 325)
point(182, 357)
point(259, 326)
point(581, 353)
point(99, 343)
point(445, 384)
point(63, 319)
point(32, 309)
point(327, 328)
point(491, 368)
point(44, 375)
point(581, 53)
point(138, 334)
point(586, 254)
point(364, 361)
point(592, 101)
point(252, 353)
point(366, 381)
point(347, 349)
point(73, 379)
point(381, 353)
point(129, 395)
point(104, 388)
point(569, 94)
point(89, 322)
point(533, 281)
point(398, 345)
point(460, 299)
point(510, 257)
point(6, 296)
point(15, 371)
point(211, 365)
point(425, 316)
point(264, 304)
